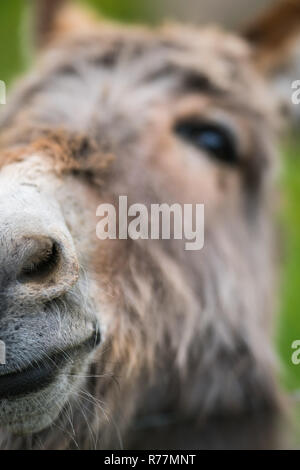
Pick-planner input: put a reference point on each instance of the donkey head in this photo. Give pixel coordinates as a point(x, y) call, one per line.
point(178, 114)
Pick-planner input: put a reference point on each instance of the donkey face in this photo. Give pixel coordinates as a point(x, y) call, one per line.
point(178, 115)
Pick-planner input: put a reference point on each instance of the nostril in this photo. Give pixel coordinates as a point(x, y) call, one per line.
point(42, 262)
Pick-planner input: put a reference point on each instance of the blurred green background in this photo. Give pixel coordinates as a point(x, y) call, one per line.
point(16, 57)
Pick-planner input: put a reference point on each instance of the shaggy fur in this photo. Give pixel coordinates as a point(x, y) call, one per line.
point(186, 355)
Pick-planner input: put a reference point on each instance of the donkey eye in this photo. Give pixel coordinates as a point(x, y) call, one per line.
point(215, 139)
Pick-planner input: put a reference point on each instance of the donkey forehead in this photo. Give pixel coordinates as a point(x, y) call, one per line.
point(173, 58)
point(88, 81)
point(204, 51)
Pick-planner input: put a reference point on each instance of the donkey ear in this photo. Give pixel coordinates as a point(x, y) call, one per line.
point(55, 18)
point(275, 41)
point(273, 35)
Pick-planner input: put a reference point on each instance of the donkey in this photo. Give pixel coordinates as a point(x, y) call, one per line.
point(123, 343)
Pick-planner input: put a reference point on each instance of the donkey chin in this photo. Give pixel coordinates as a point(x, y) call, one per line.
point(45, 368)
